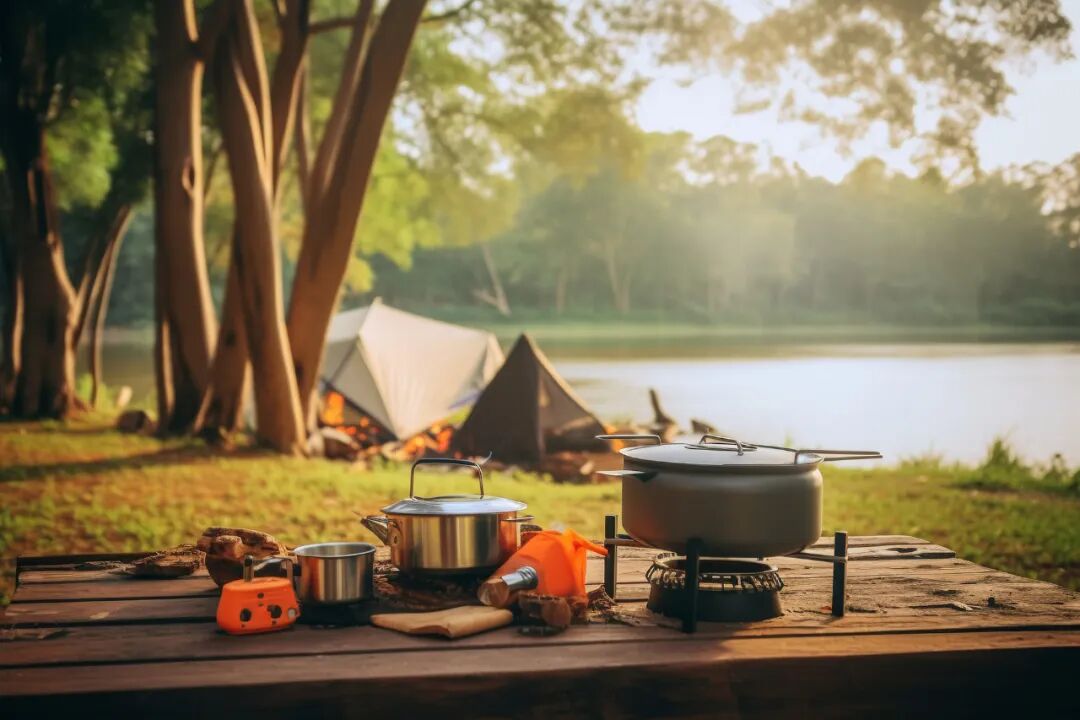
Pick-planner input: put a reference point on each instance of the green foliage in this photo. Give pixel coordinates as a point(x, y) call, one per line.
point(82, 152)
point(717, 231)
point(850, 66)
point(1004, 470)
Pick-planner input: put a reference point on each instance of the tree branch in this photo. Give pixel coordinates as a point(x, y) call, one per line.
point(339, 23)
point(449, 14)
point(328, 145)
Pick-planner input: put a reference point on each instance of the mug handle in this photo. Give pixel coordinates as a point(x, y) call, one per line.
point(250, 566)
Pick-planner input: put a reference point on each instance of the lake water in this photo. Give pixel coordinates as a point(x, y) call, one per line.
point(905, 400)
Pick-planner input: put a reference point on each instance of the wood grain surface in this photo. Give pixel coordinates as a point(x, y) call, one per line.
point(926, 634)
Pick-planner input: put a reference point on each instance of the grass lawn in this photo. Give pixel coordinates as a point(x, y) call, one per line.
point(81, 487)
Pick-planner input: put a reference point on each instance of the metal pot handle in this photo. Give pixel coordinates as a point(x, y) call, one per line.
point(519, 519)
point(834, 455)
point(445, 461)
point(621, 436)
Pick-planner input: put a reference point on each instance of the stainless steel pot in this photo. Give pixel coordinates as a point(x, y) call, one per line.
point(449, 534)
point(740, 499)
point(335, 573)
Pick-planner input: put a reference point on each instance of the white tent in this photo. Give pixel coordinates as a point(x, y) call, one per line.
point(406, 371)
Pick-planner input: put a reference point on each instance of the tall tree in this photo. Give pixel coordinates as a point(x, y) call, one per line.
point(56, 58)
point(245, 116)
point(185, 324)
point(223, 401)
point(339, 179)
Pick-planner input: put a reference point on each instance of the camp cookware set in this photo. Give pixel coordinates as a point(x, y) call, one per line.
point(449, 534)
point(739, 499)
point(322, 574)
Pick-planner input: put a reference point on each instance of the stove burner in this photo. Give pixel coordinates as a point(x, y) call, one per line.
point(728, 590)
point(754, 586)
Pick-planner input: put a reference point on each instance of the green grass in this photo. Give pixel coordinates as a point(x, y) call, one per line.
point(80, 487)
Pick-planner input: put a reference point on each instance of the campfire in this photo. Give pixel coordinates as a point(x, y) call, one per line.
point(364, 438)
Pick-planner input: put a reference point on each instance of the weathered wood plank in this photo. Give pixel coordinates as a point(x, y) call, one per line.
point(879, 603)
point(70, 585)
point(44, 614)
point(66, 574)
point(28, 561)
point(91, 644)
point(130, 589)
point(969, 674)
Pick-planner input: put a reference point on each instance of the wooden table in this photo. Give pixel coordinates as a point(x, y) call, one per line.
point(925, 633)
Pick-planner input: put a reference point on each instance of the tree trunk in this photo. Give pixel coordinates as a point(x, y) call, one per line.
point(102, 292)
point(618, 277)
point(303, 135)
point(223, 404)
point(12, 322)
point(185, 311)
point(497, 297)
point(286, 83)
point(241, 90)
point(562, 279)
point(336, 203)
point(45, 381)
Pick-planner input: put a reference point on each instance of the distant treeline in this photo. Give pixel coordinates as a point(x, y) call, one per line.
point(774, 247)
point(726, 243)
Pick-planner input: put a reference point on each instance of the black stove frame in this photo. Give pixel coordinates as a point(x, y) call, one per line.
point(613, 540)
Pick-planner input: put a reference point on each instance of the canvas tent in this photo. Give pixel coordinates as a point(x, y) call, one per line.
point(403, 370)
point(526, 411)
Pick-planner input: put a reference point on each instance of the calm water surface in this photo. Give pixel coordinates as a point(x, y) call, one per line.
point(905, 400)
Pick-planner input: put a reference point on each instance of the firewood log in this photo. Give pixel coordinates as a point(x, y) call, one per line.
point(551, 610)
point(226, 548)
point(174, 562)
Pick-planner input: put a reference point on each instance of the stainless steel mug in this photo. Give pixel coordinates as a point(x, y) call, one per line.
point(335, 573)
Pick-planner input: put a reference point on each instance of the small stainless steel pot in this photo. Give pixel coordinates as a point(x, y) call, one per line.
point(335, 573)
point(449, 534)
point(739, 499)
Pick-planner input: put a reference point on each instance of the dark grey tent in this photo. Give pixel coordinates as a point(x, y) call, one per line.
point(527, 410)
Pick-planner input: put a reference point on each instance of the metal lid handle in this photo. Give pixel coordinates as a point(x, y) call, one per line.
point(444, 461)
point(724, 440)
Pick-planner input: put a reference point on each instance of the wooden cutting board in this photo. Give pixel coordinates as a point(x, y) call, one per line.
point(453, 623)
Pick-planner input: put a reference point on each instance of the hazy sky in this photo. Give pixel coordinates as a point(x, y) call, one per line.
point(1042, 120)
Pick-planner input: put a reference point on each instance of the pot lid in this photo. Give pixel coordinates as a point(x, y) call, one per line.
point(451, 504)
point(723, 454)
point(454, 505)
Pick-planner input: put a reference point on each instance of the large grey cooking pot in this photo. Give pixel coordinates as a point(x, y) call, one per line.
point(740, 499)
point(449, 534)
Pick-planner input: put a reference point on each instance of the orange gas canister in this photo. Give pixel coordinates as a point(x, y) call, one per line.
point(558, 559)
point(255, 605)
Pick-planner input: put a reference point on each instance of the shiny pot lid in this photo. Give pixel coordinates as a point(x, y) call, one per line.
point(451, 504)
point(716, 453)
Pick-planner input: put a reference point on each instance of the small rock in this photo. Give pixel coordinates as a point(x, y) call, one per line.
point(136, 421)
point(338, 445)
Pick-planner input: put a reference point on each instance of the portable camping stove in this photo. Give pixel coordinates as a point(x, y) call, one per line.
point(718, 589)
